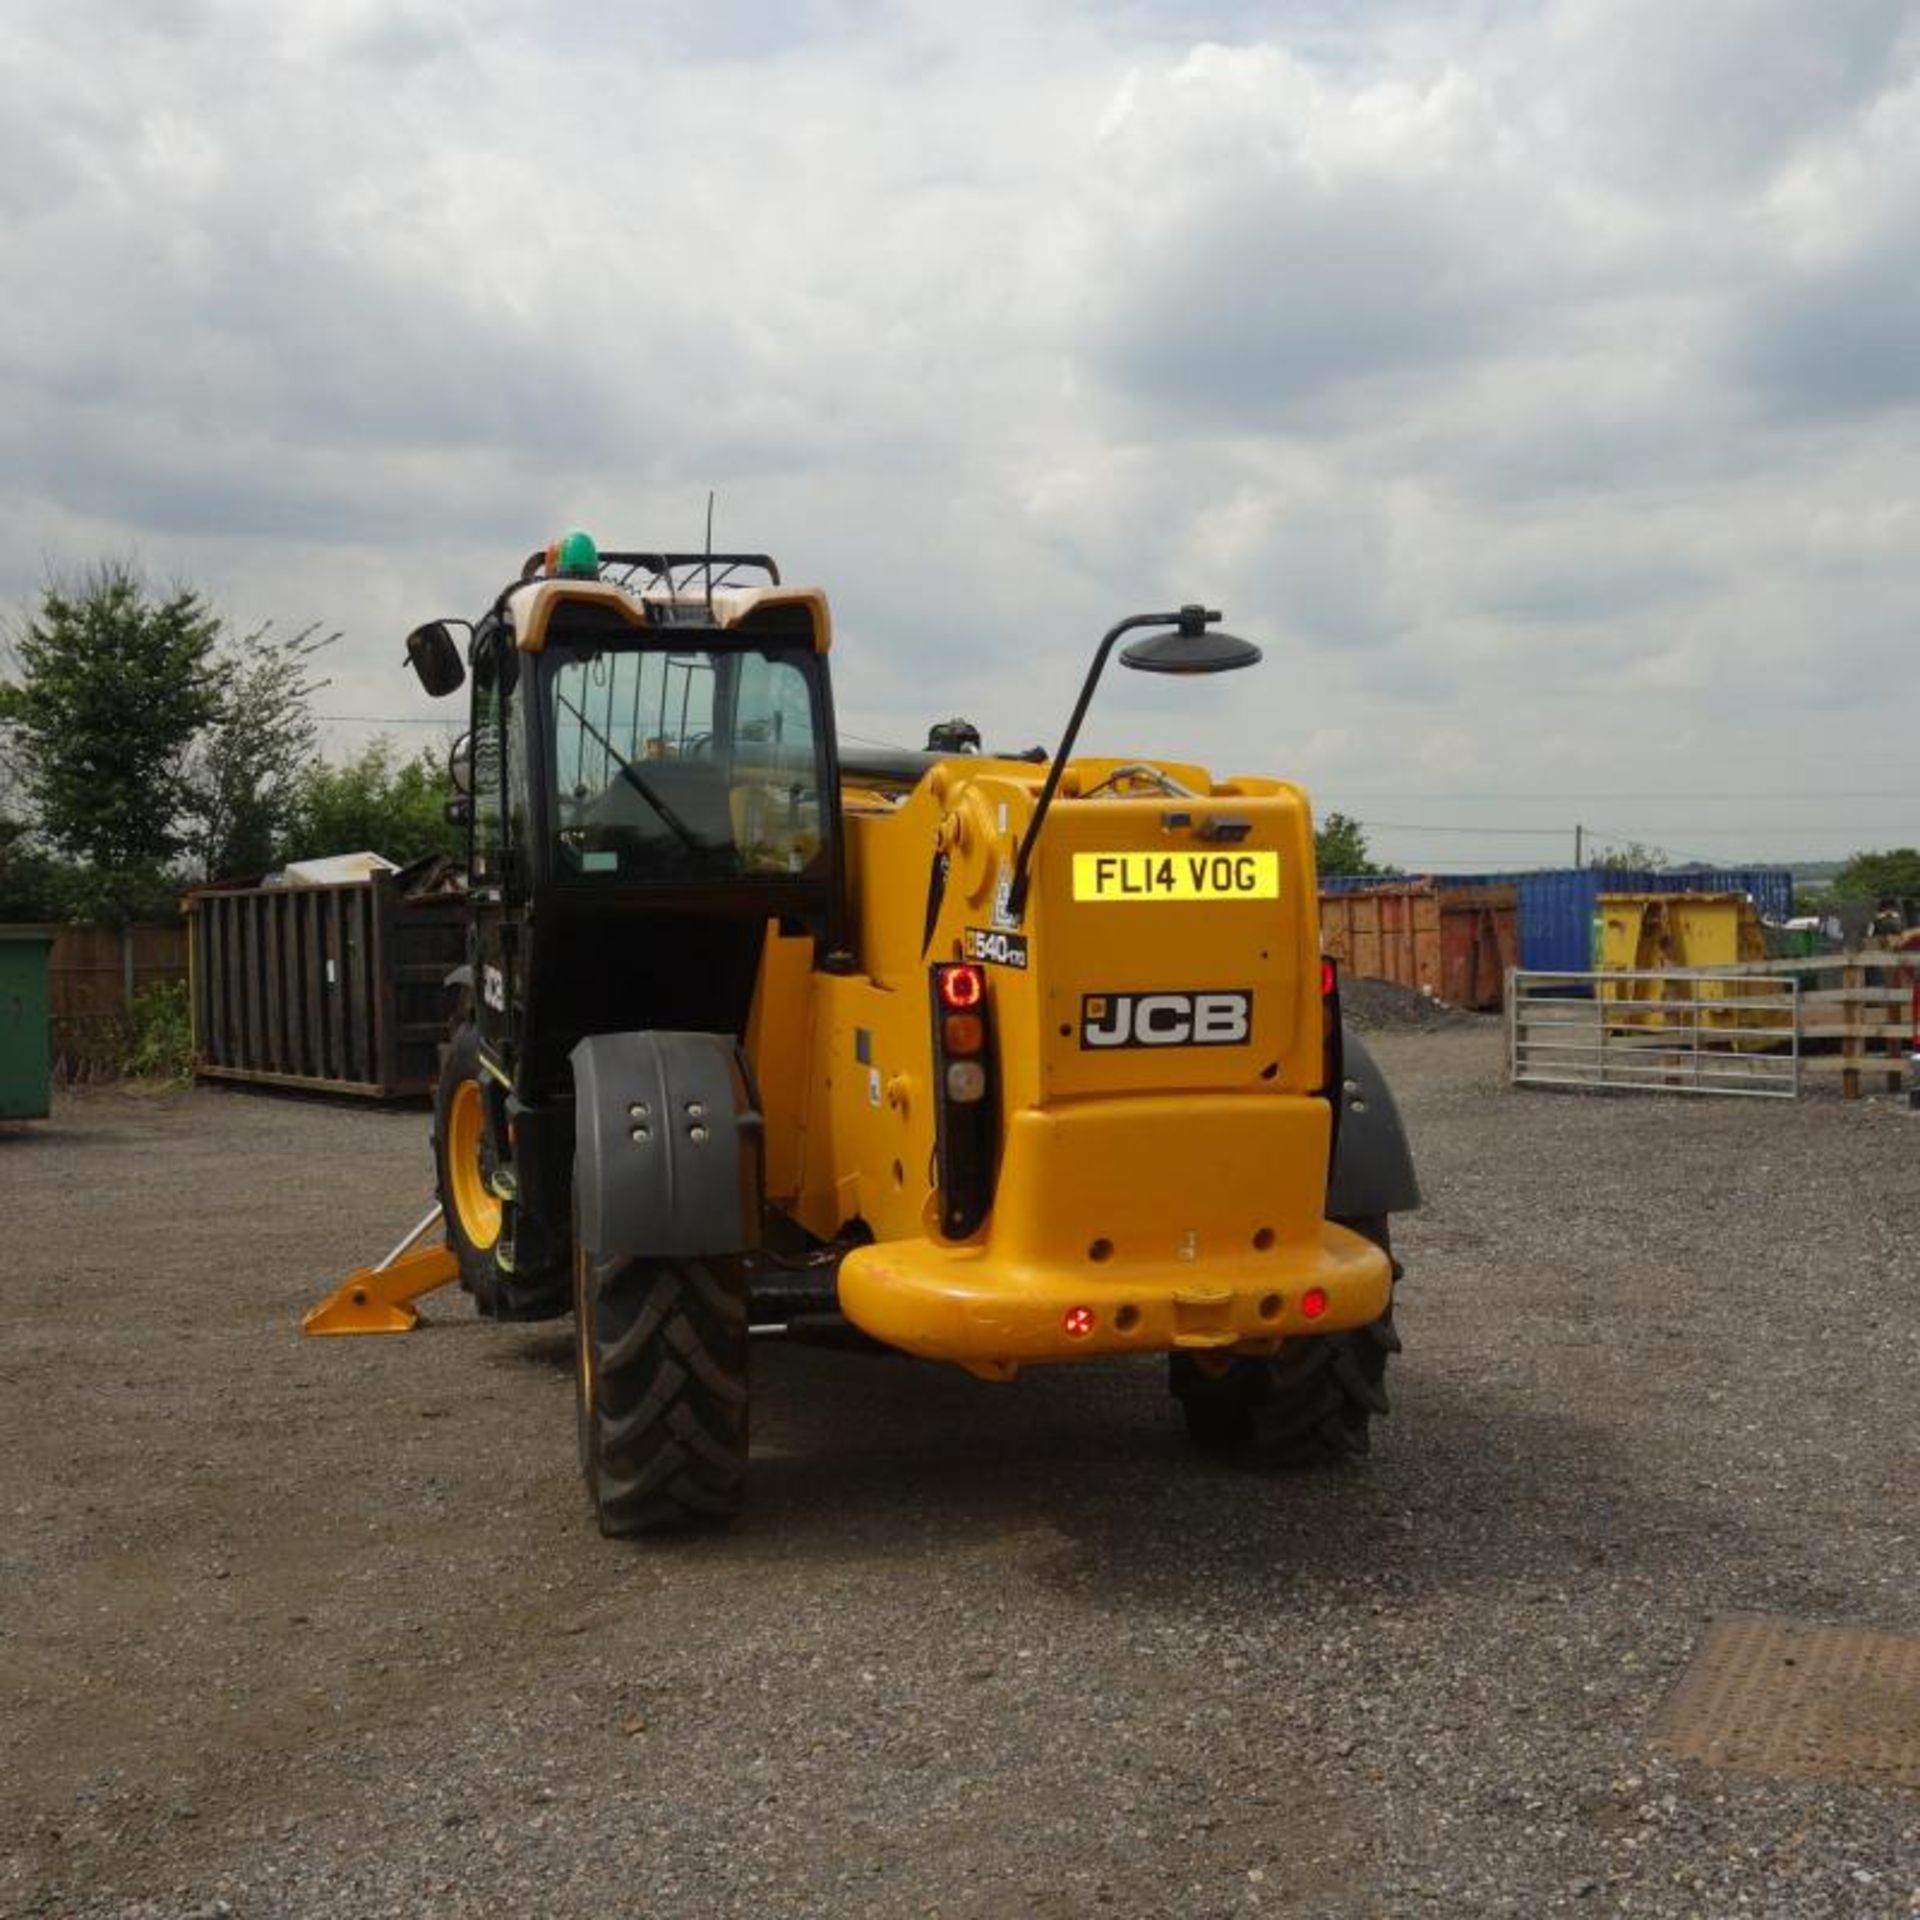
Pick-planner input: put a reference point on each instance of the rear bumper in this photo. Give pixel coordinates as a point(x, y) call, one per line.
point(962, 1303)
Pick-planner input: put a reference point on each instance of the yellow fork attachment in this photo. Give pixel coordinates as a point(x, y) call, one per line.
point(380, 1299)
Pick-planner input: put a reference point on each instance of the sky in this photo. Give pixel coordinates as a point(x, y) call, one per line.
point(1539, 385)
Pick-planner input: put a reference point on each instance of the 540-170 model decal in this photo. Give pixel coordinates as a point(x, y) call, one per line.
point(996, 948)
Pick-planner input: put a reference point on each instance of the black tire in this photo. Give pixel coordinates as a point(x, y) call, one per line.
point(463, 1079)
point(480, 1225)
point(661, 1386)
point(1310, 1404)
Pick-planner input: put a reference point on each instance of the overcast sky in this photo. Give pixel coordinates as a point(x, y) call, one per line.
point(1538, 384)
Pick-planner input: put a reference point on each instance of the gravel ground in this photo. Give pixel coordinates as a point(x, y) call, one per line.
point(1380, 1006)
point(321, 1628)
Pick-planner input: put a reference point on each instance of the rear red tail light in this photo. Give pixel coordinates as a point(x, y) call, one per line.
point(1329, 978)
point(1313, 1303)
point(962, 986)
point(966, 1141)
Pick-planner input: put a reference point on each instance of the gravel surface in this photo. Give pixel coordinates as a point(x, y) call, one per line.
point(321, 1628)
point(1381, 1006)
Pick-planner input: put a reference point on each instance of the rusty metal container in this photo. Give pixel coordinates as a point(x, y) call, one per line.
point(1479, 942)
point(1386, 933)
point(341, 989)
point(1455, 943)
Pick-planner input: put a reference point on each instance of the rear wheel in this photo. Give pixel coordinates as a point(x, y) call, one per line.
point(661, 1387)
point(1312, 1402)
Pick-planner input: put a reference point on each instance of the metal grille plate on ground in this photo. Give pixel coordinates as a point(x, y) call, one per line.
point(1794, 1700)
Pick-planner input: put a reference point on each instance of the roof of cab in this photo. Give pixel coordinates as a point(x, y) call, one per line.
point(533, 603)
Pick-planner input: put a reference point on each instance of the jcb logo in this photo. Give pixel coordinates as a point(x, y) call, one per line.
point(1165, 1019)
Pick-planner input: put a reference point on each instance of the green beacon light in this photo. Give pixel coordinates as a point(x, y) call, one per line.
point(574, 557)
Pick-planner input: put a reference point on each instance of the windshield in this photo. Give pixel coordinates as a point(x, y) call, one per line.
point(684, 764)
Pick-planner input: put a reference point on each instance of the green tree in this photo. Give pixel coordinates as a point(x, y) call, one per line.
point(1630, 858)
point(253, 762)
point(1890, 875)
point(378, 802)
point(31, 881)
point(1340, 847)
point(113, 686)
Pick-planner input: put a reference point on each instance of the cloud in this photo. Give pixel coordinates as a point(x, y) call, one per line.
point(1533, 380)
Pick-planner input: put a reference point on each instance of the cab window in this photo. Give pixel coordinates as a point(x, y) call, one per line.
point(684, 764)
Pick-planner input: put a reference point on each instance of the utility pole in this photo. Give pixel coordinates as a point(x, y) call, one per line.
point(1578, 831)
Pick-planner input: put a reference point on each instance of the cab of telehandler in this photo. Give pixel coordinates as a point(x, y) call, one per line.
point(649, 782)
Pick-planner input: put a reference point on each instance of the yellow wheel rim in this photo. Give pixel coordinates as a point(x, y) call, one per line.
point(473, 1200)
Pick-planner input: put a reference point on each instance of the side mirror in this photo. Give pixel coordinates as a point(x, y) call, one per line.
point(435, 656)
point(460, 764)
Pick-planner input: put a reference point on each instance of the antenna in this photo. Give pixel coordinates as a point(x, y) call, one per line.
point(709, 553)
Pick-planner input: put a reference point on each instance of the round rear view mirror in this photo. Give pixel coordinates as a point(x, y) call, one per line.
point(1208, 651)
point(460, 764)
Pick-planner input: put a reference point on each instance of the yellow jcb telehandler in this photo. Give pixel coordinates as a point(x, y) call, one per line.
point(994, 1061)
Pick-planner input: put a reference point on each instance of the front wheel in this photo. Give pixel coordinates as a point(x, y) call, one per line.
point(463, 1165)
point(482, 1224)
point(661, 1387)
point(1311, 1403)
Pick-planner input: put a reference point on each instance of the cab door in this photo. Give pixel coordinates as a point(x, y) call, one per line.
point(495, 868)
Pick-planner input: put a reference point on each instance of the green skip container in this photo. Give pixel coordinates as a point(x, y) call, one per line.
point(26, 1052)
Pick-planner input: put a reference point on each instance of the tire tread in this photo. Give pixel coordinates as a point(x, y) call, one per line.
point(1310, 1404)
point(664, 1439)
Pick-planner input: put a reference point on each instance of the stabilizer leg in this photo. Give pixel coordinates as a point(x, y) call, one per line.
point(379, 1299)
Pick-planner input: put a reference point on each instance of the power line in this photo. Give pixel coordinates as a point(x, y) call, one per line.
point(867, 740)
point(1433, 826)
point(1639, 793)
point(1720, 833)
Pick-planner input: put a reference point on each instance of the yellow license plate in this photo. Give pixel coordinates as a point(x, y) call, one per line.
point(1176, 876)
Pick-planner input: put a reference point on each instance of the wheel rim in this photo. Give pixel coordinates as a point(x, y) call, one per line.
point(474, 1201)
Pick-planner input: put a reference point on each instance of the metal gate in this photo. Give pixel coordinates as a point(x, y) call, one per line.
point(1693, 1030)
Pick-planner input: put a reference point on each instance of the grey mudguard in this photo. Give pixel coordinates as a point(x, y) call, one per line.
point(1372, 1163)
point(667, 1146)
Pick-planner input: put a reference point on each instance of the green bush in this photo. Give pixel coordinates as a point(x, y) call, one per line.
point(160, 1034)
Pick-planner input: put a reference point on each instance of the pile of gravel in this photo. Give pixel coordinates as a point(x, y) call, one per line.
point(1380, 1006)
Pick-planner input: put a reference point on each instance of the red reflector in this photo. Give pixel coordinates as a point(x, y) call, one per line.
point(1078, 1322)
point(963, 1032)
point(963, 987)
point(1313, 1303)
point(1329, 979)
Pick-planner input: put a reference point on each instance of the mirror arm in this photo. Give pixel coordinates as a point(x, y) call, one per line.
point(1017, 891)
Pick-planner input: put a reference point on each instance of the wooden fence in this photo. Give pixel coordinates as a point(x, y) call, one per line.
point(1859, 1013)
point(1857, 1017)
point(93, 974)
